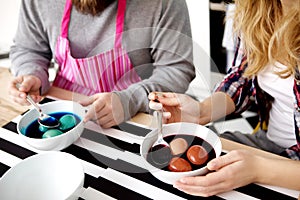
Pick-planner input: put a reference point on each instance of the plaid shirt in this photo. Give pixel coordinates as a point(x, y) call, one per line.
point(245, 91)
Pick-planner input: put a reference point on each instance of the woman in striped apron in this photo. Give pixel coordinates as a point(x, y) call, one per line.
point(157, 39)
point(102, 73)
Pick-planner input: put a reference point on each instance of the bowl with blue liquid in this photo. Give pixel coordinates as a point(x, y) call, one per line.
point(68, 113)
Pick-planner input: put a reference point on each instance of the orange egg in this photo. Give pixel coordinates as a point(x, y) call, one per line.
point(197, 155)
point(178, 164)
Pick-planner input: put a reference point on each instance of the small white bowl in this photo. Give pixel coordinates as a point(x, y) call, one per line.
point(58, 142)
point(47, 176)
point(179, 129)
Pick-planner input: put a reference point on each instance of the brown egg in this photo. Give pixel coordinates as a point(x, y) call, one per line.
point(178, 164)
point(178, 146)
point(197, 155)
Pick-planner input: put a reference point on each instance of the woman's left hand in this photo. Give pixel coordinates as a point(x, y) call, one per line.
point(233, 170)
point(105, 109)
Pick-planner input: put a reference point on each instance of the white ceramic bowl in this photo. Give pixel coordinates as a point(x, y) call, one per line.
point(58, 142)
point(47, 176)
point(179, 128)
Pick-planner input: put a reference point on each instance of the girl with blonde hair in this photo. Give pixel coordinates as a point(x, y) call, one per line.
point(265, 71)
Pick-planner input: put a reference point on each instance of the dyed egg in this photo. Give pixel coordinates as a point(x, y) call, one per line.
point(178, 164)
point(67, 122)
point(52, 133)
point(197, 155)
point(43, 128)
point(178, 146)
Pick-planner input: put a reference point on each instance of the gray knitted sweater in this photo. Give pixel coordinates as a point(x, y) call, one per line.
point(157, 37)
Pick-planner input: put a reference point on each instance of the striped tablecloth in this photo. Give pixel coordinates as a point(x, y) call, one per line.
point(114, 168)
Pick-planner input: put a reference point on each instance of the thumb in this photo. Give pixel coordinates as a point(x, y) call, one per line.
point(86, 101)
point(155, 106)
point(221, 162)
point(25, 85)
point(30, 84)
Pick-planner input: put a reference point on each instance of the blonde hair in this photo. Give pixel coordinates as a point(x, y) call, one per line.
point(268, 34)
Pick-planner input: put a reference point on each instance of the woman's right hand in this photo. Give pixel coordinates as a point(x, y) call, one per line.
point(235, 169)
point(28, 84)
point(176, 107)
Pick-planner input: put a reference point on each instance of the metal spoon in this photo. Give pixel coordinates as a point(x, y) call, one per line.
point(158, 116)
point(160, 152)
point(160, 140)
point(44, 120)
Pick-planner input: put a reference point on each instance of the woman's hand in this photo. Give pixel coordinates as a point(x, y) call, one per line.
point(28, 84)
point(176, 107)
point(233, 170)
point(105, 109)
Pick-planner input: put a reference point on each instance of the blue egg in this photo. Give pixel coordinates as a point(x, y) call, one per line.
point(52, 133)
point(43, 128)
point(67, 121)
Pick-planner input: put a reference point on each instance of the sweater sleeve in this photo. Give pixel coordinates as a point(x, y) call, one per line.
point(171, 51)
point(31, 53)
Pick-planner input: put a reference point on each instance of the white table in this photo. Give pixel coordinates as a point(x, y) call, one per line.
point(114, 168)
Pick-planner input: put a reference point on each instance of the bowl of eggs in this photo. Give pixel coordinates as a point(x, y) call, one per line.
point(69, 114)
point(191, 147)
point(48, 175)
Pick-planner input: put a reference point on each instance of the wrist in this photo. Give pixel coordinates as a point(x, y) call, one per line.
point(263, 172)
point(204, 116)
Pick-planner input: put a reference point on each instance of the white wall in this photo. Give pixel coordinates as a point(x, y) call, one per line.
point(9, 12)
point(199, 16)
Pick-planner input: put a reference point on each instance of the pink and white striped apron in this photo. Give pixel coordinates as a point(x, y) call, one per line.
point(105, 72)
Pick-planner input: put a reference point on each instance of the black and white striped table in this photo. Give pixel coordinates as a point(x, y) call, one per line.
point(113, 166)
